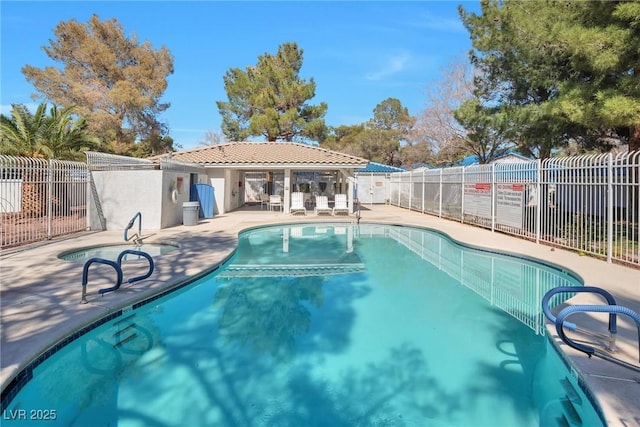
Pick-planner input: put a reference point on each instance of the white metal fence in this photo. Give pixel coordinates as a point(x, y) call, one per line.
point(41, 199)
point(590, 204)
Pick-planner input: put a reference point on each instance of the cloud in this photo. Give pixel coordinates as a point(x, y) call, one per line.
point(436, 23)
point(394, 65)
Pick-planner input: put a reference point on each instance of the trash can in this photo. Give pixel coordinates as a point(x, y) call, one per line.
point(190, 213)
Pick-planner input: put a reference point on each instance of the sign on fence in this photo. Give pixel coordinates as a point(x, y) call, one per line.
point(477, 199)
point(510, 204)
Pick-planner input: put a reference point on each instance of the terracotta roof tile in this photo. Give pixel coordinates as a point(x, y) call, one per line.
point(265, 153)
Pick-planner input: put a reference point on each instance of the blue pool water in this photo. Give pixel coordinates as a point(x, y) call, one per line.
point(111, 252)
point(325, 325)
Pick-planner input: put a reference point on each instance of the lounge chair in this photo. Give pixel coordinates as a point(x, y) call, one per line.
point(341, 205)
point(322, 206)
point(275, 201)
point(297, 203)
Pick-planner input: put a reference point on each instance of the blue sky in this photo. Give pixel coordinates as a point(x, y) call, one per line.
point(358, 53)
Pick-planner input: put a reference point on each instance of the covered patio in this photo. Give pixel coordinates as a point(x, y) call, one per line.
point(242, 172)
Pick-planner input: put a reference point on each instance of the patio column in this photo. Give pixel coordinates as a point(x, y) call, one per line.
point(287, 191)
point(350, 194)
point(350, 181)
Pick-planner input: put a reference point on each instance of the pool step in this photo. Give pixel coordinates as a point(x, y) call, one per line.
point(125, 330)
point(570, 391)
point(570, 415)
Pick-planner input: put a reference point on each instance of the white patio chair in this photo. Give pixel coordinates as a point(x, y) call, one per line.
point(275, 201)
point(297, 203)
point(264, 200)
point(322, 206)
point(340, 206)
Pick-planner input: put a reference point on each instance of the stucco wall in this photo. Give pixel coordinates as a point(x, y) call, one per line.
point(123, 193)
point(217, 180)
point(172, 212)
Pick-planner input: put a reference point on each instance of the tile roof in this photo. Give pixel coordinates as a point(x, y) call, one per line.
point(374, 167)
point(265, 153)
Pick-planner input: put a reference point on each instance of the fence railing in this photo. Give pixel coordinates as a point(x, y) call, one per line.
point(590, 204)
point(41, 199)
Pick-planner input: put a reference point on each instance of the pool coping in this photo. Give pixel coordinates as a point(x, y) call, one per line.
point(618, 403)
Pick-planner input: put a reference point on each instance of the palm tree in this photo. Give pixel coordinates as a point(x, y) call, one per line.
point(37, 135)
point(66, 138)
point(21, 134)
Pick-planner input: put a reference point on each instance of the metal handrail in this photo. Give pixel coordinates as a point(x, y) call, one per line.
point(117, 265)
point(138, 216)
point(85, 271)
point(567, 311)
point(577, 289)
point(143, 254)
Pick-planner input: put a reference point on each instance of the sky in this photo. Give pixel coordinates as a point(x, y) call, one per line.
point(358, 53)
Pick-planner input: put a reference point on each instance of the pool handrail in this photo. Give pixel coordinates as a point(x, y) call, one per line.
point(117, 265)
point(567, 311)
point(85, 271)
point(576, 289)
point(141, 253)
point(137, 216)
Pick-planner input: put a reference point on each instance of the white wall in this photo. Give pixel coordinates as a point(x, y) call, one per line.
point(10, 195)
point(236, 198)
point(172, 212)
point(217, 180)
point(123, 193)
point(372, 187)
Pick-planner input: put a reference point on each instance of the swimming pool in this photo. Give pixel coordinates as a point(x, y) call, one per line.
point(325, 325)
point(111, 252)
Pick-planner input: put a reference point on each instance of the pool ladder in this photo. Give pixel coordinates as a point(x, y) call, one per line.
point(612, 308)
point(137, 238)
point(117, 266)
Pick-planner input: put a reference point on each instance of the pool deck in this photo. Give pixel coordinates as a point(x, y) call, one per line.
point(40, 294)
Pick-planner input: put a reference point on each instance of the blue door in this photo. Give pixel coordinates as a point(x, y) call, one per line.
point(203, 193)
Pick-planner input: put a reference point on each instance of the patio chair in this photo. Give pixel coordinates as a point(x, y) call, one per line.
point(322, 206)
point(340, 206)
point(275, 201)
point(297, 203)
point(264, 200)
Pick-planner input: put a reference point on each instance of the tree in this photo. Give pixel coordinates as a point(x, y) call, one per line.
point(60, 135)
point(378, 139)
point(390, 127)
point(21, 133)
point(345, 139)
point(115, 82)
point(270, 100)
point(451, 132)
point(486, 135)
point(156, 143)
point(560, 71)
point(212, 138)
point(57, 136)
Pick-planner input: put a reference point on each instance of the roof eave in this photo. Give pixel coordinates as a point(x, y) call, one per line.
point(305, 166)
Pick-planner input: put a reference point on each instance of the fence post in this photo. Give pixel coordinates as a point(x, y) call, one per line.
point(49, 199)
point(424, 171)
point(410, 191)
point(609, 207)
point(462, 196)
point(494, 187)
point(538, 199)
point(440, 195)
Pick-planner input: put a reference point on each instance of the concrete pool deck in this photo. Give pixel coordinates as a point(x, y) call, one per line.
point(40, 294)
